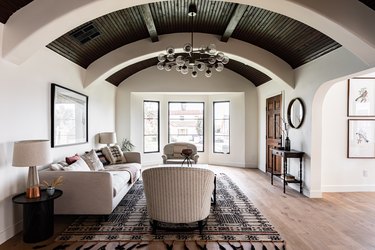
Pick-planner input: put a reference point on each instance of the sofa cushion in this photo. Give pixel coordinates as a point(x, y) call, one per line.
point(92, 160)
point(132, 168)
point(79, 165)
point(119, 181)
point(114, 154)
point(177, 149)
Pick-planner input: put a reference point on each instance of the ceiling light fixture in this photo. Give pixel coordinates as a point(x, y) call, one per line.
point(206, 58)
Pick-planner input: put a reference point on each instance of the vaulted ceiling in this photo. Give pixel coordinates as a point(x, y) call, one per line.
point(290, 40)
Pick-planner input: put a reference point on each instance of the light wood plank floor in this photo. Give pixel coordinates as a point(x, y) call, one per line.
point(337, 221)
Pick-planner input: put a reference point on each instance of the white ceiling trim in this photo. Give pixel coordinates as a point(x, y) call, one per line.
point(42, 21)
point(246, 53)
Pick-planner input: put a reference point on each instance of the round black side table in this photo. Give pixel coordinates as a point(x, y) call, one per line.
point(38, 221)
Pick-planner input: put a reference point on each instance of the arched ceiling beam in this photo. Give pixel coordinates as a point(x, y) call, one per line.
point(236, 17)
point(32, 27)
point(248, 54)
point(147, 17)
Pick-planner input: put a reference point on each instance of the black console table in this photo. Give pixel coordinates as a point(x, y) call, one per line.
point(285, 155)
point(38, 215)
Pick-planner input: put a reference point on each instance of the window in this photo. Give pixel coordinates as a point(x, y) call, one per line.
point(151, 126)
point(221, 127)
point(186, 123)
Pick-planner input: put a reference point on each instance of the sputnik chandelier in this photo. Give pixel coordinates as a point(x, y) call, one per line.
point(206, 58)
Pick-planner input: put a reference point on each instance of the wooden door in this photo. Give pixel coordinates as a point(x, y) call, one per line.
point(273, 134)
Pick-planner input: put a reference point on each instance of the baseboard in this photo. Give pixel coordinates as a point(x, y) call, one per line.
point(228, 164)
point(348, 188)
point(251, 165)
point(312, 193)
point(10, 232)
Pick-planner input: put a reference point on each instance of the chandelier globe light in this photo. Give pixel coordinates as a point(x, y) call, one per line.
point(206, 58)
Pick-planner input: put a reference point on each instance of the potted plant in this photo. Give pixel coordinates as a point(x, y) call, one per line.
point(126, 145)
point(50, 187)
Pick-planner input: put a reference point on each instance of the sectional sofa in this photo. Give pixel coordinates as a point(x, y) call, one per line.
point(93, 191)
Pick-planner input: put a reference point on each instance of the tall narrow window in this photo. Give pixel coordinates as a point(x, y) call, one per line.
point(186, 123)
point(151, 126)
point(221, 127)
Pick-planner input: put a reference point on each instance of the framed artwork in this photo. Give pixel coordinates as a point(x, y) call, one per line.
point(361, 138)
point(361, 97)
point(69, 116)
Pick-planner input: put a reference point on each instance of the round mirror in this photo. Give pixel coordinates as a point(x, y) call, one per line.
point(296, 113)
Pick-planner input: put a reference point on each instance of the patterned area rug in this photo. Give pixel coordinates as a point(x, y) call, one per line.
point(233, 219)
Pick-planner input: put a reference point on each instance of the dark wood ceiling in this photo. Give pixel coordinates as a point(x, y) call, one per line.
point(291, 40)
point(369, 3)
point(8, 7)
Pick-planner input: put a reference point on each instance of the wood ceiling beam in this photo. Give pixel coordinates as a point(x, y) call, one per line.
point(236, 17)
point(147, 17)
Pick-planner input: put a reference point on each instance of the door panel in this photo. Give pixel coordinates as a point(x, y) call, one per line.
point(273, 133)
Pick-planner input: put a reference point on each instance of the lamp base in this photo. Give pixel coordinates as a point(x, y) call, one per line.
point(33, 192)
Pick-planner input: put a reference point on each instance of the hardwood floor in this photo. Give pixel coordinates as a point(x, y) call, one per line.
point(337, 221)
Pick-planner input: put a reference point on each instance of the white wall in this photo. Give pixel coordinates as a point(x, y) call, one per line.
point(25, 114)
point(172, 86)
point(309, 78)
point(340, 174)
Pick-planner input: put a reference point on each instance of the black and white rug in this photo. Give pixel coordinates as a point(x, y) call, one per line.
point(233, 219)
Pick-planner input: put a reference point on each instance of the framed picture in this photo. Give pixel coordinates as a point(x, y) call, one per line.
point(361, 97)
point(69, 116)
point(361, 138)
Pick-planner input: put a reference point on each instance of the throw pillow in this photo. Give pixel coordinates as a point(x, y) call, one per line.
point(72, 159)
point(79, 165)
point(92, 161)
point(102, 157)
point(114, 154)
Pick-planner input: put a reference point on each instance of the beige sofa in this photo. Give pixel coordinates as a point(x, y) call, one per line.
point(178, 195)
point(95, 192)
point(172, 153)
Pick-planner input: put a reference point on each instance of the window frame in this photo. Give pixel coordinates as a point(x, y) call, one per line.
point(203, 112)
point(214, 128)
point(158, 131)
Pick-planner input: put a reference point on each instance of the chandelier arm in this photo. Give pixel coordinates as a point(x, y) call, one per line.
point(202, 59)
point(192, 34)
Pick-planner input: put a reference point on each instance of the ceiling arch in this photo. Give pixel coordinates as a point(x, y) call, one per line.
point(31, 27)
point(248, 54)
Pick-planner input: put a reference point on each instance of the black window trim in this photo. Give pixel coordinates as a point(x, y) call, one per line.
point(151, 152)
point(213, 126)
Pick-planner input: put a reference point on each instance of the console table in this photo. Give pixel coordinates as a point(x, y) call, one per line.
point(285, 155)
point(38, 215)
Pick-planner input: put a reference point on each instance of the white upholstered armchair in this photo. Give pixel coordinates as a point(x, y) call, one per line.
point(172, 152)
point(178, 194)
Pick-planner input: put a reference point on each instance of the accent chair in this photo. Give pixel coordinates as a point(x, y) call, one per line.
point(178, 194)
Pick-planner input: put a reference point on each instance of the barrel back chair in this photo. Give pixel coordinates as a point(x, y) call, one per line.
point(178, 194)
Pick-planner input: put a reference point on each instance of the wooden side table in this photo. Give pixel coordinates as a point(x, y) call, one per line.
point(285, 155)
point(186, 153)
point(38, 221)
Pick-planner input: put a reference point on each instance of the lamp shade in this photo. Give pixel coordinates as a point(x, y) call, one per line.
point(107, 137)
point(31, 153)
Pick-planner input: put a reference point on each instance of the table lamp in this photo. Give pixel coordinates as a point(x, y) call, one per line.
point(30, 154)
point(107, 138)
